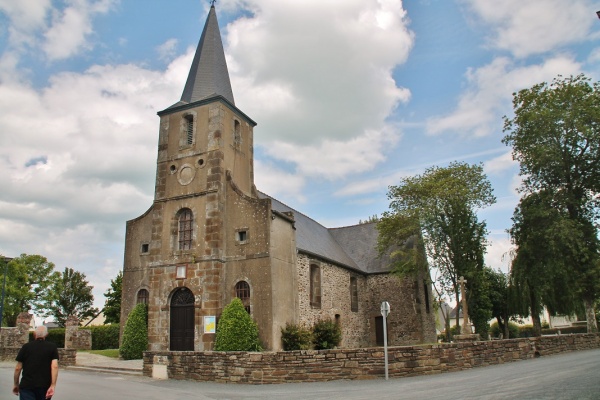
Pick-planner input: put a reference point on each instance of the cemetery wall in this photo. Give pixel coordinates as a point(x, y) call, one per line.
point(350, 364)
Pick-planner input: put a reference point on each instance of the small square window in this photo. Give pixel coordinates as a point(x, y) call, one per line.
point(242, 236)
point(181, 272)
point(145, 247)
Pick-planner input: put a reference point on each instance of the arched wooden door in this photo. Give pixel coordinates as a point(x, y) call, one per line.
point(182, 320)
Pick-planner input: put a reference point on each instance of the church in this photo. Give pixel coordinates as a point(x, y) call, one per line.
point(210, 236)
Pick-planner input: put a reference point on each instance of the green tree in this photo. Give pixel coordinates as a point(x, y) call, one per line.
point(546, 241)
point(112, 306)
point(71, 295)
point(135, 333)
point(498, 293)
point(236, 330)
point(28, 280)
point(555, 137)
point(433, 222)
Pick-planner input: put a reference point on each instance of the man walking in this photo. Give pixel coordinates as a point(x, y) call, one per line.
point(39, 362)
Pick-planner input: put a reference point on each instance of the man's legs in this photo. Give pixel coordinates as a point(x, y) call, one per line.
point(32, 394)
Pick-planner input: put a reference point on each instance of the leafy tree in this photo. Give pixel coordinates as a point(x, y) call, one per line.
point(546, 241)
point(135, 333)
point(433, 218)
point(236, 331)
point(71, 295)
point(498, 293)
point(112, 306)
point(28, 280)
point(555, 137)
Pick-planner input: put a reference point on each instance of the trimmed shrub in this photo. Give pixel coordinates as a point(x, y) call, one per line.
point(326, 334)
point(295, 337)
point(513, 330)
point(236, 331)
point(105, 337)
point(135, 334)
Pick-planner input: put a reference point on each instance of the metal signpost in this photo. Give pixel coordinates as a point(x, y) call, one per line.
point(385, 310)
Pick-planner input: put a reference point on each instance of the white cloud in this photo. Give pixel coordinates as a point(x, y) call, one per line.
point(500, 164)
point(498, 252)
point(284, 186)
point(331, 70)
point(535, 26)
point(79, 159)
point(26, 18)
point(71, 27)
point(334, 159)
point(489, 91)
point(166, 51)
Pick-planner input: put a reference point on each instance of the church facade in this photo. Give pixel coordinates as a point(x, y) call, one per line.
point(211, 236)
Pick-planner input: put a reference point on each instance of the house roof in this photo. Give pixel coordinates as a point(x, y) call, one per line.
point(208, 75)
point(352, 247)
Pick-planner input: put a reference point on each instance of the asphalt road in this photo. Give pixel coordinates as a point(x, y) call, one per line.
point(573, 375)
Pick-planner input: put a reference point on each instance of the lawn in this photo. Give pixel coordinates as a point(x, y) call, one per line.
point(114, 353)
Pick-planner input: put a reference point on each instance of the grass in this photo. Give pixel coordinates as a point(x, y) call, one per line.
point(114, 353)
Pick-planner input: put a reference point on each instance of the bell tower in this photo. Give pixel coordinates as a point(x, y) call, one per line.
point(204, 134)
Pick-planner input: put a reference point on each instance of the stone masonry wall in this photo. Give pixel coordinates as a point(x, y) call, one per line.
point(335, 300)
point(367, 363)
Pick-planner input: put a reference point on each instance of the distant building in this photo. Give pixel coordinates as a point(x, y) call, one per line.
point(210, 236)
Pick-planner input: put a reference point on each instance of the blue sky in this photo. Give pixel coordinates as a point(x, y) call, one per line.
point(349, 96)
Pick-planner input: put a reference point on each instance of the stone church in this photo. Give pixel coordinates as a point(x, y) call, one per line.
point(211, 236)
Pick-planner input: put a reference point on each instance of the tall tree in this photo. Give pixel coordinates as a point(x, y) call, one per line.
point(433, 221)
point(499, 295)
point(71, 295)
point(28, 280)
point(547, 241)
point(555, 137)
point(112, 306)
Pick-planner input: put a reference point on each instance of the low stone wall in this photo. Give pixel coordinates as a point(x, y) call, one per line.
point(66, 357)
point(368, 363)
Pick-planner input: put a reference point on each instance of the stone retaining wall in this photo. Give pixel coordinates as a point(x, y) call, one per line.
point(368, 363)
point(67, 357)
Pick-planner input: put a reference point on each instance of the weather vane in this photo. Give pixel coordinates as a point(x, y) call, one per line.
point(212, 2)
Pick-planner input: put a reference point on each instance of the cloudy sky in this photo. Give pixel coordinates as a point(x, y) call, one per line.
point(349, 96)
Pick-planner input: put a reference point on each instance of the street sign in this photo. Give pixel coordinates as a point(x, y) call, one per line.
point(385, 308)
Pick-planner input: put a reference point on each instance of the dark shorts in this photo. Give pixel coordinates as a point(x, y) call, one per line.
point(33, 394)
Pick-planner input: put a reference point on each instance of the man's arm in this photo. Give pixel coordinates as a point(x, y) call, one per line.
point(54, 372)
point(17, 375)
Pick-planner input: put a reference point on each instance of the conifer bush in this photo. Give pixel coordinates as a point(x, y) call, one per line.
point(295, 337)
point(326, 334)
point(135, 334)
point(236, 331)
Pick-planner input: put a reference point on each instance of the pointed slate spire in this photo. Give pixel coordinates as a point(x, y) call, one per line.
point(208, 74)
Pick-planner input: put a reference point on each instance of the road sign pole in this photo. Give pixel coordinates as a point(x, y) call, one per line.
point(385, 310)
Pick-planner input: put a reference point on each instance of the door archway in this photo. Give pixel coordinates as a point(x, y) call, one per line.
point(182, 320)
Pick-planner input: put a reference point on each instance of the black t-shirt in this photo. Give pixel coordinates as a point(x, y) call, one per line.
point(37, 357)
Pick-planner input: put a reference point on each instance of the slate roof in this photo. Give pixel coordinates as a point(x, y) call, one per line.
point(208, 75)
point(352, 247)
